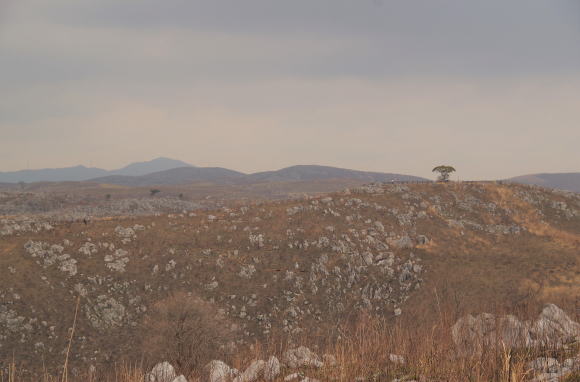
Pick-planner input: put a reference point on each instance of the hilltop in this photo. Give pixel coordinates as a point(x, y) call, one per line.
point(290, 268)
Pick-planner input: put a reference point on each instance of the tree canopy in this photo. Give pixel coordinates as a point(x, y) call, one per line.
point(444, 172)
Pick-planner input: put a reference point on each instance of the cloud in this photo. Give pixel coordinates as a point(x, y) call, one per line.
point(390, 86)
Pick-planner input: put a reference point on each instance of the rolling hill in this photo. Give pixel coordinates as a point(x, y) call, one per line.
point(77, 173)
point(292, 268)
point(175, 176)
point(314, 172)
point(563, 181)
point(222, 176)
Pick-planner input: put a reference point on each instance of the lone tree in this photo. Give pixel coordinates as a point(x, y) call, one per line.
point(154, 191)
point(444, 172)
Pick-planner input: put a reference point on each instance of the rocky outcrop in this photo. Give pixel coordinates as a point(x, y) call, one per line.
point(553, 328)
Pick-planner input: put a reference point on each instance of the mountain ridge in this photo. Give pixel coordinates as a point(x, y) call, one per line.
point(81, 173)
point(221, 176)
point(167, 171)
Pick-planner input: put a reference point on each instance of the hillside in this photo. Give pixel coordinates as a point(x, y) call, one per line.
point(175, 176)
point(291, 269)
point(563, 181)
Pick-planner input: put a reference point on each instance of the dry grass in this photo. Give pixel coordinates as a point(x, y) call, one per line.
point(363, 353)
point(471, 272)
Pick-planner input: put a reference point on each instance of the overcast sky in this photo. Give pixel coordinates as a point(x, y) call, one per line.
point(491, 87)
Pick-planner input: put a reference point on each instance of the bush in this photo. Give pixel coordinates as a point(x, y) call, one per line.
point(186, 331)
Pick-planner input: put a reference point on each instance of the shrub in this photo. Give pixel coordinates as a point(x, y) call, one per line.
point(186, 331)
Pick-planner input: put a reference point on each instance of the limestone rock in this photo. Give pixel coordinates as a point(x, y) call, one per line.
point(162, 372)
point(329, 360)
point(272, 369)
point(552, 328)
point(252, 373)
point(291, 377)
point(398, 359)
point(544, 364)
point(301, 357)
point(218, 371)
point(555, 323)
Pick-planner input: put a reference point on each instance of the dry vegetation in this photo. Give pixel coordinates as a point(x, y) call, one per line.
point(267, 276)
point(363, 353)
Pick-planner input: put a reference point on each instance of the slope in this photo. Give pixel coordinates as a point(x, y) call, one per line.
point(288, 268)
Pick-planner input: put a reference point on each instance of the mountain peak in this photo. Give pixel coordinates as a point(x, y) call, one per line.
point(148, 167)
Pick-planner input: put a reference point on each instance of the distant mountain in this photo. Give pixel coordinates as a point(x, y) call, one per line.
point(77, 173)
point(182, 175)
point(144, 168)
point(165, 171)
point(313, 172)
point(81, 173)
point(217, 175)
point(564, 181)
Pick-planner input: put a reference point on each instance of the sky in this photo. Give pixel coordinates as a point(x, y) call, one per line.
point(491, 87)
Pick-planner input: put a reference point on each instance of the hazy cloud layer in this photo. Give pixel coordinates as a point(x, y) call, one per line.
point(492, 87)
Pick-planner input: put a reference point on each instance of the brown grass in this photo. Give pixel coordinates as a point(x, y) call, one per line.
point(363, 353)
point(475, 272)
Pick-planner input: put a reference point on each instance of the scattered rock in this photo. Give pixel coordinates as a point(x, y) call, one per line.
point(218, 371)
point(292, 377)
point(252, 373)
point(329, 360)
point(272, 369)
point(552, 328)
point(162, 372)
point(398, 359)
point(544, 364)
point(301, 357)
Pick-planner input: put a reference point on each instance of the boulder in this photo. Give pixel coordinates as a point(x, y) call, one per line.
point(252, 373)
point(301, 357)
point(572, 363)
point(398, 359)
point(544, 364)
point(329, 360)
point(272, 369)
point(218, 371)
point(553, 328)
point(291, 377)
point(554, 324)
point(403, 243)
point(162, 372)
point(181, 378)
